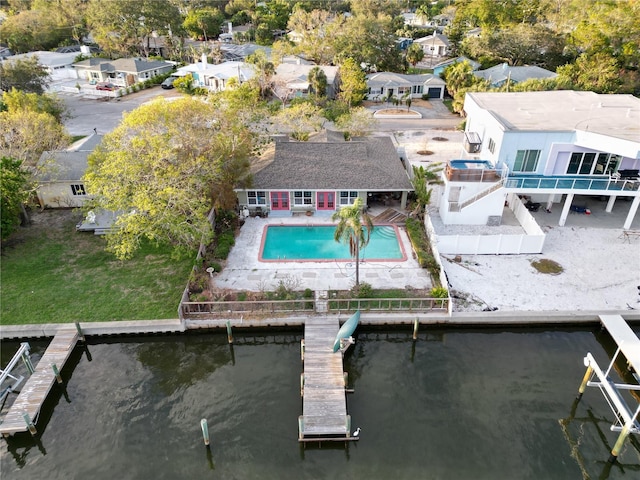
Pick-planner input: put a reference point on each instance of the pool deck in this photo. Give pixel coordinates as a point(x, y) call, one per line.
point(244, 271)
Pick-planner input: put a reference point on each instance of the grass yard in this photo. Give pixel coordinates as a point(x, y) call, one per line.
point(49, 273)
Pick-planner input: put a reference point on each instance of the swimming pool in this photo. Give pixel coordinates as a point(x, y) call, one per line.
point(283, 243)
point(470, 164)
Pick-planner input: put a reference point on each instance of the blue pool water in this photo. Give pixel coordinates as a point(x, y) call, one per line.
point(463, 164)
point(316, 243)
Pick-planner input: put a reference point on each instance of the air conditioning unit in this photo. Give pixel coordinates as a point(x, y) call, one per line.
point(472, 142)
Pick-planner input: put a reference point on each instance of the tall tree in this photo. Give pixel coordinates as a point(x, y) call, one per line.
point(264, 69)
point(599, 73)
point(414, 54)
point(25, 134)
point(14, 191)
point(354, 228)
point(300, 120)
point(353, 83)
point(313, 30)
point(26, 75)
point(358, 122)
point(423, 178)
point(164, 167)
point(317, 82)
point(126, 26)
point(15, 100)
point(204, 22)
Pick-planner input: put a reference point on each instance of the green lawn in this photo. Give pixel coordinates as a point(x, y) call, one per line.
point(49, 273)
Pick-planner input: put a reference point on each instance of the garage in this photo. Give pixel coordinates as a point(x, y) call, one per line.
point(434, 92)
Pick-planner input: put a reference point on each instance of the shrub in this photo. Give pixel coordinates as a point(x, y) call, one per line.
point(308, 293)
point(224, 242)
point(364, 290)
point(439, 292)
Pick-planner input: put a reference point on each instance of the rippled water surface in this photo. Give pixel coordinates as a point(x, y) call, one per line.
point(456, 404)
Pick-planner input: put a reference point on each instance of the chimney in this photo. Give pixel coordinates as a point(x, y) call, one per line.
point(204, 59)
point(230, 26)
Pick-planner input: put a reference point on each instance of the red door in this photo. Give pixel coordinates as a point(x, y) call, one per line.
point(279, 200)
point(326, 200)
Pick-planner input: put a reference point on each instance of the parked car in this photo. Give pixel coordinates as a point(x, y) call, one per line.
point(168, 82)
point(106, 86)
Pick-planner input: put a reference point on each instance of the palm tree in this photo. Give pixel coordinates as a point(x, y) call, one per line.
point(422, 179)
point(354, 227)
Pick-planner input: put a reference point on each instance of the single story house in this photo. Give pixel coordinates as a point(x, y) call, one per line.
point(383, 85)
point(320, 177)
point(436, 45)
point(438, 68)
point(239, 52)
point(59, 66)
point(122, 72)
point(500, 74)
point(59, 174)
point(295, 78)
point(552, 147)
point(215, 77)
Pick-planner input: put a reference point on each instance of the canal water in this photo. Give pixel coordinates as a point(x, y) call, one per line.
point(456, 404)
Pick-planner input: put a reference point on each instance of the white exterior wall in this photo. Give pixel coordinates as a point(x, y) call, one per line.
point(478, 212)
point(60, 195)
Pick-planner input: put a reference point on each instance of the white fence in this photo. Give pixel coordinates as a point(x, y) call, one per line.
point(531, 241)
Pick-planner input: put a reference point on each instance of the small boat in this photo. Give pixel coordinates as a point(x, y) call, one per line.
point(346, 330)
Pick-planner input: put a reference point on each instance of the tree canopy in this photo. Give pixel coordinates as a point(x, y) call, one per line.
point(353, 83)
point(163, 168)
point(26, 75)
point(14, 188)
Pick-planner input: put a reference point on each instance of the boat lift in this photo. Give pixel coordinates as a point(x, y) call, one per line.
point(626, 420)
point(5, 374)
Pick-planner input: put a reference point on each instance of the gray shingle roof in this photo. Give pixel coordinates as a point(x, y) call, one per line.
point(365, 164)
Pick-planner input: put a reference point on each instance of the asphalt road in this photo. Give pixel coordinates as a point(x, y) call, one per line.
point(88, 113)
point(105, 115)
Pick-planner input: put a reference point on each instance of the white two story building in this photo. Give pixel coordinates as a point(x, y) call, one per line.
point(556, 147)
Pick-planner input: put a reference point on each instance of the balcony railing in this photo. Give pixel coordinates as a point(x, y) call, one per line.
point(571, 183)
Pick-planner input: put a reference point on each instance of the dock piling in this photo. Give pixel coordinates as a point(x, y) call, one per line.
point(80, 334)
point(205, 431)
point(615, 451)
point(26, 359)
point(56, 372)
point(229, 333)
point(30, 425)
point(585, 379)
point(416, 323)
point(302, 349)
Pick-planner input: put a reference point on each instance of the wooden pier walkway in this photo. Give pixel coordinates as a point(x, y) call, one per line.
point(324, 404)
point(35, 390)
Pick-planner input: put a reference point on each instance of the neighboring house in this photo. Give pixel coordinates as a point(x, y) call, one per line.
point(239, 52)
point(234, 33)
point(403, 43)
point(59, 66)
point(502, 73)
point(59, 174)
point(384, 85)
point(554, 147)
point(78, 49)
point(320, 177)
point(434, 46)
point(215, 77)
point(438, 68)
point(121, 72)
point(294, 78)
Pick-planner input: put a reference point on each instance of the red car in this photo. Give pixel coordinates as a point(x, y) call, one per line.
point(106, 86)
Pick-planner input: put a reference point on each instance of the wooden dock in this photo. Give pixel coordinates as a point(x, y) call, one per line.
point(324, 403)
point(35, 390)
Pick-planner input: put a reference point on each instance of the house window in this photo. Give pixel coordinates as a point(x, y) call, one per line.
point(347, 198)
point(417, 89)
point(526, 161)
point(78, 189)
point(592, 164)
point(302, 198)
point(256, 197)
point(492, 145)
point(403, 90)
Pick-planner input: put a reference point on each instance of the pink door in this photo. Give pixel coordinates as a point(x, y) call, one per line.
point(326, 200)
point(279, 200)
